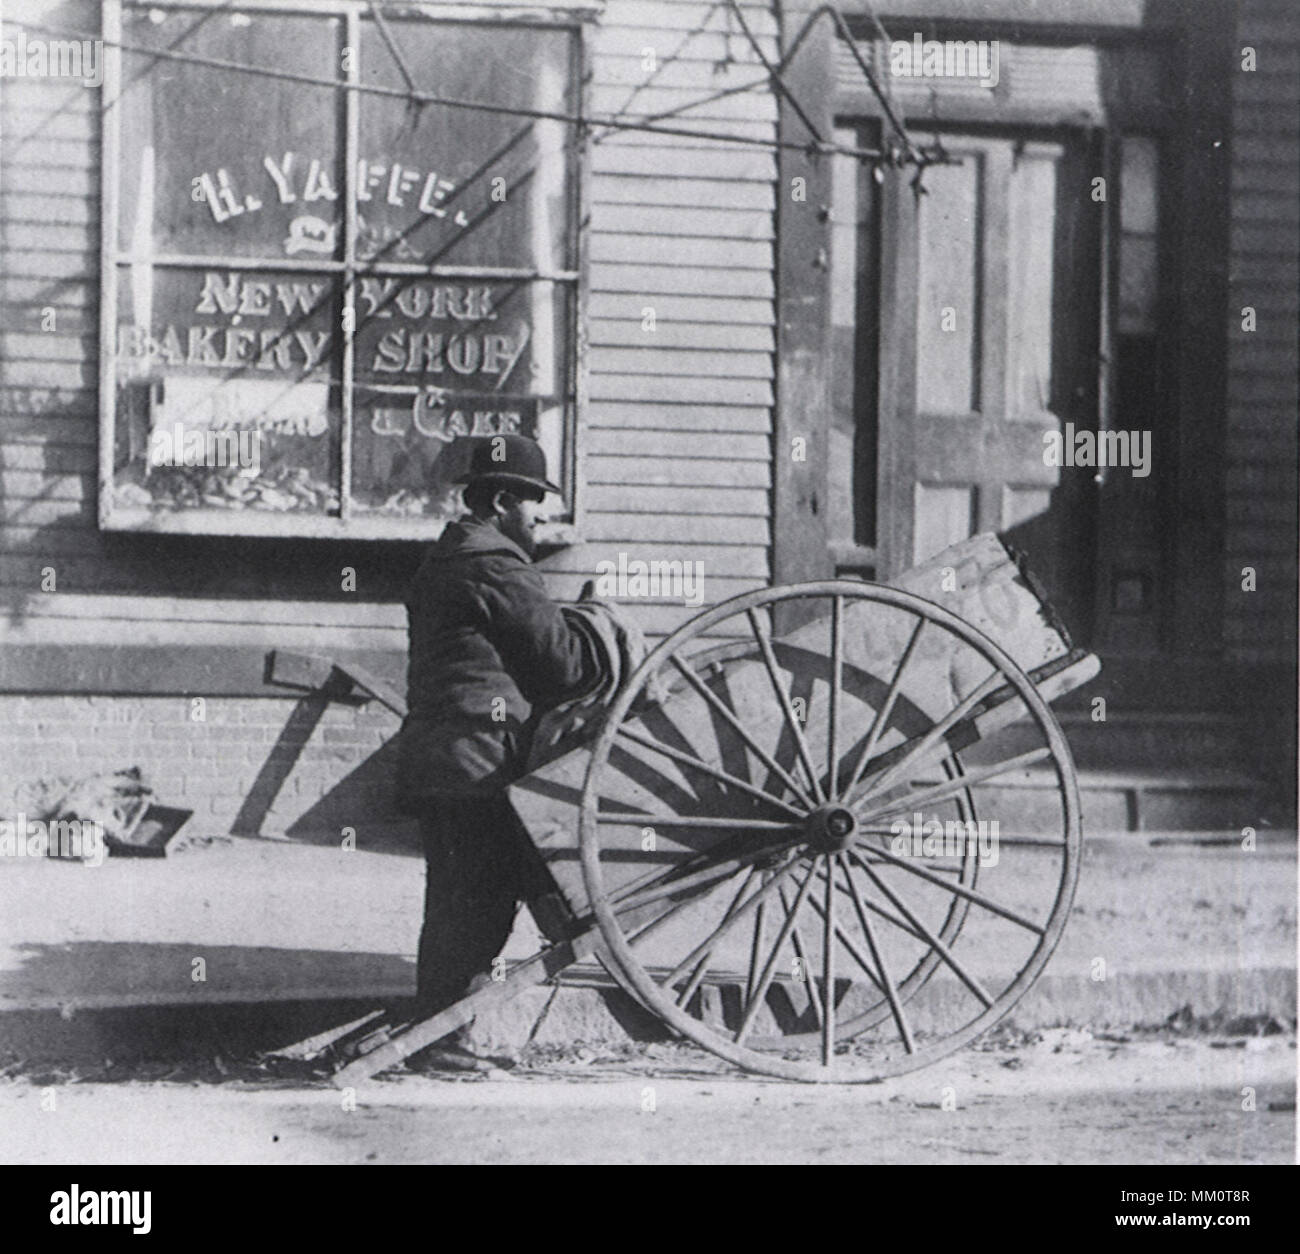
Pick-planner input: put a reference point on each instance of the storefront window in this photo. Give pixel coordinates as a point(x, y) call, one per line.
point(321, 281)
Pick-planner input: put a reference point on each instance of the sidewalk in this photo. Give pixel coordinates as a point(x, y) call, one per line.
point(265, 921)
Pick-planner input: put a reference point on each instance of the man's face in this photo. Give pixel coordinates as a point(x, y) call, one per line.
point(519, 517)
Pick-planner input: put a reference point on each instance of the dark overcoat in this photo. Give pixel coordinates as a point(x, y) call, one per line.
point(488, 647)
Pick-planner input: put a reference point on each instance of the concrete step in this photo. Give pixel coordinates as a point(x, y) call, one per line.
point(1136, 772)
point(1127, 801)
point(1155, 740)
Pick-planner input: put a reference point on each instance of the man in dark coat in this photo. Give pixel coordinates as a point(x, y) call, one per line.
point(489, 653)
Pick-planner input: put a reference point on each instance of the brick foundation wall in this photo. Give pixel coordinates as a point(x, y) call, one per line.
point(275, 766)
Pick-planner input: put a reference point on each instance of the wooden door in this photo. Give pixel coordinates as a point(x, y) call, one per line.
point(994, 272)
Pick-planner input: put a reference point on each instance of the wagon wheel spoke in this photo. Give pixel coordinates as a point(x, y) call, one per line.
point(927, 742)
point(952, 788)
point(754, 998)
point(801, 952)
point(670, 884)
point(901, 924)
point(891, 992)
point(1031, 842)
point(728, 715)
point(697, 764)
point(708, 883)
point(971, 894)
point(745, 855)
point(783, 699)
point(701, 821)
point(828, 967)
point(755, 946)
point(785, 800)
point(851, 947)
point(837, 684)
point(673, 911)
point(702, 967)
point(935, 943)
point(751, 903)
point(886, 708)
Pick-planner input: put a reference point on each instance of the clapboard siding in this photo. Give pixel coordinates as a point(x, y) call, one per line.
point(662, 471)
point(60, 210)
point(722, 364)
point(693, 131)
point(679, 411)
point(16, 292)
point(705, 50)
point(50, 432)
point(730, 560)
point(651, 280)
point(659, 415)
point(626, 526)
point(161, 630)
point(702, 311)
point(668, 389)
point(1260, 482)
point(73, 515)
point(731, 224)
point(681, 335)
point(668, 444)
point(679, 249)
point(702, 194)
point(681, 161)
point(690, 15)
point(687, 502)
point(33, 177)
point(53, 346)
point(130, 590)
point(629, 72)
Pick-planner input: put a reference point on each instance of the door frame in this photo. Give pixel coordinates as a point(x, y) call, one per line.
point(1192, 38)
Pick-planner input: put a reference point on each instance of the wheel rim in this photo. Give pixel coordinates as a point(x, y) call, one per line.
point(811, 843)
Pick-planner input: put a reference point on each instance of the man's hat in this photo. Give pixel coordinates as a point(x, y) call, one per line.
point(509, 459)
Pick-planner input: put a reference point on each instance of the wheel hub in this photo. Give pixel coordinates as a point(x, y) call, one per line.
point(832, 828)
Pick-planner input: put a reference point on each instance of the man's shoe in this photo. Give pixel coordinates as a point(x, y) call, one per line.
point(456, 1057)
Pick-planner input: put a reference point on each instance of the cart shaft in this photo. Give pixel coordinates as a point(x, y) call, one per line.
point(538, 969)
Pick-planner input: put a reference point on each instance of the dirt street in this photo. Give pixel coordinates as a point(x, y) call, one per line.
point(1058, 1096)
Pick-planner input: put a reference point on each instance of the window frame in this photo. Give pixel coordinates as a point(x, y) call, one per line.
point(347, 523)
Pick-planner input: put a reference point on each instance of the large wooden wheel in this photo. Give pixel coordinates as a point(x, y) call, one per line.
point(810, 810)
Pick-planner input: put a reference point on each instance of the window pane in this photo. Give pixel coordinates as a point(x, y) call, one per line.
point(947, 358)
point(223, 409)
point(247, 365)
point(443, 360)
point(945, 514)
point(1139, 207)
point(475, 337)
point(1032, 195)
point(1138, 178)
point(460, 186)
point(224, 163)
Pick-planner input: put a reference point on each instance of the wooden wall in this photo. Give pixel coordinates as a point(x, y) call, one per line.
point(1263, 406)
point(677, 438)
point(679, 421)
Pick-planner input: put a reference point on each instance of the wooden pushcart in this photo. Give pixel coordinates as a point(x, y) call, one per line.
point(827, 831)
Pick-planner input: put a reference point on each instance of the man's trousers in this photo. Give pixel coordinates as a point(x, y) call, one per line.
point(479, 864)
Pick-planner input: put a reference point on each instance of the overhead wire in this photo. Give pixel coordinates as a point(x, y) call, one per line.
point(775, 75)
point(671, 59)
point(579, 120)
